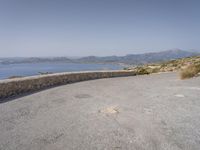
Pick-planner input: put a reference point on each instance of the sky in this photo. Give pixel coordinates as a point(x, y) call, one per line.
point(31, 28)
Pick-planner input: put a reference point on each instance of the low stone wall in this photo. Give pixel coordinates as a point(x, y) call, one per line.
point(13, 87)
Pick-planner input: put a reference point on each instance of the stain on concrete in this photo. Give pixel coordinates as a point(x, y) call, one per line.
point(59, 101)
point(23, 112)
point(49, 138)
point(81, 96)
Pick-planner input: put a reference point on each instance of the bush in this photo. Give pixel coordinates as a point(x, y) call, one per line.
point(190, 71)
point(142, 71)
point(126, 68)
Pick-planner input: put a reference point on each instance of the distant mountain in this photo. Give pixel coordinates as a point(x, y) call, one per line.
point(136, 59)
point(19, 60)
point(132, 59)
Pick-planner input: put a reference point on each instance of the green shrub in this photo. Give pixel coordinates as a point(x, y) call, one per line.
point(126, 68)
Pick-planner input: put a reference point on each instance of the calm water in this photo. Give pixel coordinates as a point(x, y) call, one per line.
point(33, 69)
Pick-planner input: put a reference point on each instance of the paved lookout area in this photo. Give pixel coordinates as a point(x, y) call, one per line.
point(148, 112)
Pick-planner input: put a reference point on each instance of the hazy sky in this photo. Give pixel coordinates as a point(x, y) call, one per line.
point(97, 27)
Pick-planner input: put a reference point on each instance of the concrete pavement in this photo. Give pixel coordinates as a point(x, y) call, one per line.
point(150, 112)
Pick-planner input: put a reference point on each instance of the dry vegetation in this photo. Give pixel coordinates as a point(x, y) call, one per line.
point(190, 71)
point(188, 67)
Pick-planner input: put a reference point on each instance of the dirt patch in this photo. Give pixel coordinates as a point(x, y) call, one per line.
point(110, 110)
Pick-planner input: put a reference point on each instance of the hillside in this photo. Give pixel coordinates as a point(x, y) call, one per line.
point(188, 67)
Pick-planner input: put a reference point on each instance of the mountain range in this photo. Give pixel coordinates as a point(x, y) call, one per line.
point(131, 59)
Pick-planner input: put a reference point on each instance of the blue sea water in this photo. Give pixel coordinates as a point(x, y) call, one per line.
point(29, 69)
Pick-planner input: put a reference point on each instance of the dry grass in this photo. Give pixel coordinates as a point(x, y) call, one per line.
point(190, 71)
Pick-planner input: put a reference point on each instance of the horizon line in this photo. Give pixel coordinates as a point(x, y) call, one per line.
point(73, 57)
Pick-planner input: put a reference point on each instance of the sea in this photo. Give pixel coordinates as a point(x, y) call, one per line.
point(30, 69)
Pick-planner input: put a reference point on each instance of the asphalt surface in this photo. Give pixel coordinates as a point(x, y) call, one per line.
point(150, 112)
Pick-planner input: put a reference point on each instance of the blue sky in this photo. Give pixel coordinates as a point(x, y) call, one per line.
point(97, 27)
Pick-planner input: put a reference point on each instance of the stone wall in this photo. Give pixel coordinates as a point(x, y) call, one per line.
point(14, 87)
